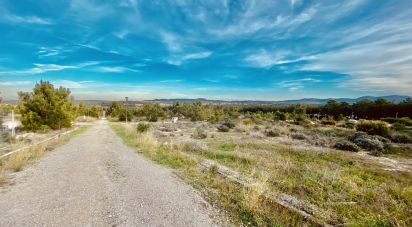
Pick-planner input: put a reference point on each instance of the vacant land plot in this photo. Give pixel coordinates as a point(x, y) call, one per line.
point(281, 160)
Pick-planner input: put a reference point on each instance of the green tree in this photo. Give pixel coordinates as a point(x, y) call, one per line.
point(115, 109)
point(153, 112)
point(46, 106)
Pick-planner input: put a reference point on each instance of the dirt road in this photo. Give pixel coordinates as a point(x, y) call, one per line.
point(95, 180)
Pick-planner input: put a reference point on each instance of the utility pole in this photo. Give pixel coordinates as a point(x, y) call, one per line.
point(127, 98)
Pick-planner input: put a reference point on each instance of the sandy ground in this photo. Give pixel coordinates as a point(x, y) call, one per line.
point(95, 180)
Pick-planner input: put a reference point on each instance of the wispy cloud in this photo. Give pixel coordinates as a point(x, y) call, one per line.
point(42, 68)
point(9, 17)
point(72, 84)
point(115, 69)
point(178, 60)
point(266, 59)
point(298, 84)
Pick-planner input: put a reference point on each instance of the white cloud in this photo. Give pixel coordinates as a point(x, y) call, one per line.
point(121, 34)
point(170, 81)
point(42, 68)
point(8, 17)
point(265, 59)
point(293, 85)
point(171, 42)
point(115, 69)
point(178, 60)
point(73, 84)
point(382, 66)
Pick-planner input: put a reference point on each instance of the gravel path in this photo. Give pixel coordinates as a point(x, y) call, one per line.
point(95, 180)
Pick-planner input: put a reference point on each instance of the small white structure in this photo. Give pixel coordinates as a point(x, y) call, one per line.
point(174, 120)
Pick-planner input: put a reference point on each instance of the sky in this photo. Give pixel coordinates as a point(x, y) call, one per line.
point(216, 49)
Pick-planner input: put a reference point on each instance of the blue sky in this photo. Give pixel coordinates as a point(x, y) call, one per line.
point(265, 50)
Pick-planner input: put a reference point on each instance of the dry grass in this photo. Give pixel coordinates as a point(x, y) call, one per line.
point(347, 189)
point(16, 162)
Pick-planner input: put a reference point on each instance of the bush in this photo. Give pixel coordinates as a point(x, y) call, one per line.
point(272, 133)
point(247, 122)
point(350, 125)
point(142, 127)
point(367, 142)
point(373, 128)
point(223, 128)
point(229, 124)
point(328, 122)
point(44, 129)
point(404, 120)
point(399, 126)
point(298, 136)
point(346, 146)
point(401, 138)
point(282, 116)
point(199, 133)
point(122, 115)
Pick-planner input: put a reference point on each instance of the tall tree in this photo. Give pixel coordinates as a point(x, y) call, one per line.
point(46, 106)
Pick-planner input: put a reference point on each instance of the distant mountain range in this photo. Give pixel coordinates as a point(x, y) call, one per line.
point(313, 101)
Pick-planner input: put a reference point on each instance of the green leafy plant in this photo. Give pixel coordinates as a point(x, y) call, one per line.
point(373, 128)
point(142, 127)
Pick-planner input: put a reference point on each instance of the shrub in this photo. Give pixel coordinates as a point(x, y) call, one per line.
point(223, 128)
point(346, 146)
point(199, 133)
point(404, 120)
point(142, 127)
point(399, 126)
point(44, 129)
point(298, 136)
point(122, 115)
point(282, 116)
point(229, 124)
point(350, 125)
point(367, 142)
point(247, 122)
point(272, 133)
point(328, 122)
point(401, 138)
point(373, 128)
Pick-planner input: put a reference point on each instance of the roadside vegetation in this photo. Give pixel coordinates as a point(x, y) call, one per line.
point(272, 165)
point(266, 165)
point(17, 161)
point(279, 160)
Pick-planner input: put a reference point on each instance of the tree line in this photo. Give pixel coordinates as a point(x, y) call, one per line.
point(47, 107)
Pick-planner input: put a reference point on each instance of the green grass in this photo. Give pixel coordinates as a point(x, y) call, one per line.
point(348, 189)
point(351, 190)
point(245, 206)
point(227, 146)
